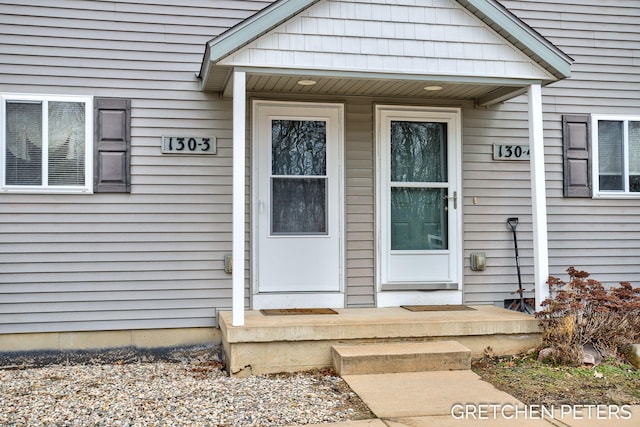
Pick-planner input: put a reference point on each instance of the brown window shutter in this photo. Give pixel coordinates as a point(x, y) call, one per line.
point(576, 139)
point(112, 145)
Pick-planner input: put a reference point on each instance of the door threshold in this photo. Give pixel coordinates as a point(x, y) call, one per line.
point(390, 298)
point(296, 311)
point(429, 286)
point(445, 307)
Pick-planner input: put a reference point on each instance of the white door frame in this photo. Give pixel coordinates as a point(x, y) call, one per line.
point(333, 299)
point(394, 294)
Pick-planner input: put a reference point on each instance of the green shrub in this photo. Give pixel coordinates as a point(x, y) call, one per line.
point(583, 312)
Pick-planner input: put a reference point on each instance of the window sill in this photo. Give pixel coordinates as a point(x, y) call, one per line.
point(13, 190)
point(617, 196)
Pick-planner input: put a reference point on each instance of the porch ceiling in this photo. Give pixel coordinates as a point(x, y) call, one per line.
point(483, 91)
point(366, 87)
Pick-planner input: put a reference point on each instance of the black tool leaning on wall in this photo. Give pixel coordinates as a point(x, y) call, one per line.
point(520, 305)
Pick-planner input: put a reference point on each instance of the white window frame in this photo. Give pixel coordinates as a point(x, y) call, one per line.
point(87, 188)
point(595, 166)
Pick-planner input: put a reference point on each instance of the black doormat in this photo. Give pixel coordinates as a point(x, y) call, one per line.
point(296, 311)
point(437, 307)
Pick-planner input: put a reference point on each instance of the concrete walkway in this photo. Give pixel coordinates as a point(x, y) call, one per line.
point(461, 398)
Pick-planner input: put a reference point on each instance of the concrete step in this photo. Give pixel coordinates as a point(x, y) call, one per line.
point(395, 357)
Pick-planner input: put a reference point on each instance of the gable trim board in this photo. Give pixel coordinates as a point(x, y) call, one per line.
point(489, 11)
point(252, 28)
point(520, 34)
point(252, 36)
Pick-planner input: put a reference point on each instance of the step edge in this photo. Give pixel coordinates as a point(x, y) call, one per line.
point(437, 347)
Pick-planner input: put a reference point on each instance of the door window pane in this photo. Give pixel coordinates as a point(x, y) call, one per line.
point(298, 147)
point(24, 143)
point(418, 151)
point(299, 206)
point(610, 155)
point(418, 218)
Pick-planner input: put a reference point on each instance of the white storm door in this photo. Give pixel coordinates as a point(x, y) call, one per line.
point(418, 200)
point(299, 200)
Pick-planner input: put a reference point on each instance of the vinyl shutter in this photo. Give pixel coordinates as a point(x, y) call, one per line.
point(112, 145)
point(576, 138)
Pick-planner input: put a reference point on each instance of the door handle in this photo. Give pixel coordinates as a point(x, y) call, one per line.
point(454, 198)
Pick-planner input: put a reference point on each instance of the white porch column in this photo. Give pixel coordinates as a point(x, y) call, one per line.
point(538, 196)
point(238, 199)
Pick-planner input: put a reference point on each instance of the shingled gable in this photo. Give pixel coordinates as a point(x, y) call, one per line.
point(548, 62)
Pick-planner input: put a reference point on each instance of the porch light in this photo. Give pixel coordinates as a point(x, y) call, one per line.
point(433, 88)
point(307, 82)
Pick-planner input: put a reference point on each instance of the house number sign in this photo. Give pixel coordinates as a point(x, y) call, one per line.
point(510, 152)
point(189, 144)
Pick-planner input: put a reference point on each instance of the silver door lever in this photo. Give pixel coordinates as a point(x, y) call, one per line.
point(455, 199)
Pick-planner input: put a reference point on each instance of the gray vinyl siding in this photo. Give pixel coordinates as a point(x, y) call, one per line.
point(360, 204)
point(601, 236)
point(152, 258)
point(503, 190)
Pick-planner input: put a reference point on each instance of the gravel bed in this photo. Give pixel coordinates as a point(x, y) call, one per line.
point(189, 389)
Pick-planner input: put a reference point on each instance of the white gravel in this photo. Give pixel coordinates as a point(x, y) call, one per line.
point(161, 393)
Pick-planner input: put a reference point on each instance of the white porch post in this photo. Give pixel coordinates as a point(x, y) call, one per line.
point(238, 199)
point(538, 196)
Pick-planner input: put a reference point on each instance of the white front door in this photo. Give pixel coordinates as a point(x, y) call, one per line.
point(418, 205)
point(297, 205)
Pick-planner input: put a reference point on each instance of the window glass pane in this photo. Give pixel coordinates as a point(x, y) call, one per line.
point(298, 147)
point(634, 157)
point(23, 155)
point(299, 206)
point(610, 152)
point(418, 151)
point(418, 218)
point(66, 143)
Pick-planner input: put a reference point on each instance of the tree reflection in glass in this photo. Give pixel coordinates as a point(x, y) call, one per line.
point(299, 205)
point(418, 212)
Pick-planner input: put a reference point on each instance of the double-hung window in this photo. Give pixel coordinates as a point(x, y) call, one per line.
point(47, 143)
point(616, 166)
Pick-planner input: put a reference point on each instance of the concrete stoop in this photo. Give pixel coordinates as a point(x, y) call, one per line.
point(400, 357)
point(270, 344)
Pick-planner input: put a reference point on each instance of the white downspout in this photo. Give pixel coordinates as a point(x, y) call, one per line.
point(538, 196)
point(238, 198)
